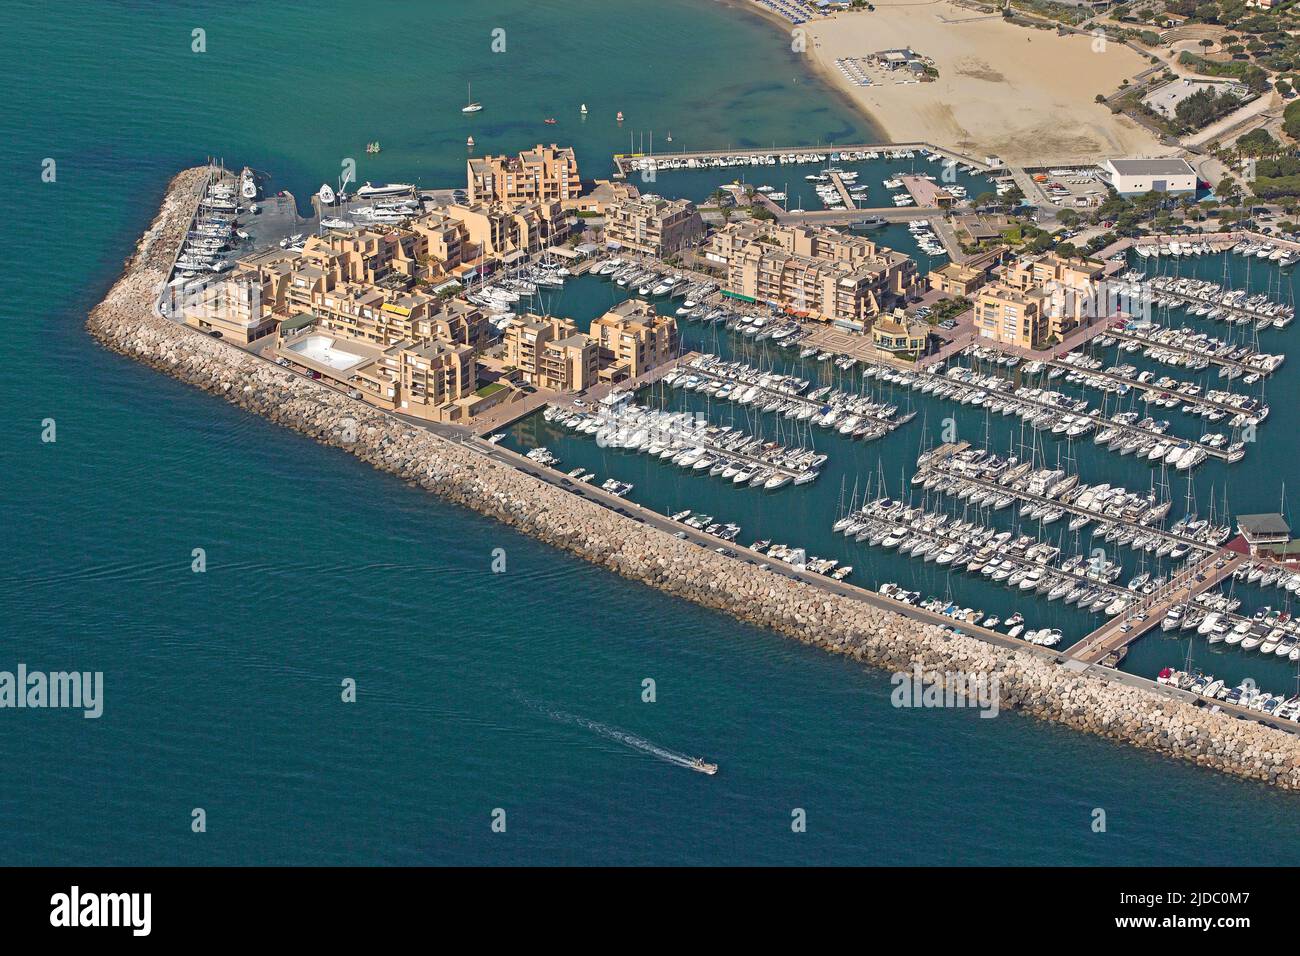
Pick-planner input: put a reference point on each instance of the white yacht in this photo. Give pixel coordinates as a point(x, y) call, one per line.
point(375, 190)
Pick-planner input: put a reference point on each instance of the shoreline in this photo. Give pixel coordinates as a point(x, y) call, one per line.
point(125, 322)
point(1032, 107)
point(876, 128)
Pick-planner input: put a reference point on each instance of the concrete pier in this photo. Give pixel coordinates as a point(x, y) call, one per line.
point(1121, 631)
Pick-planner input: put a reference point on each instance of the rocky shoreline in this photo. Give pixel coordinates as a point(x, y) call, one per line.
point(126, 323)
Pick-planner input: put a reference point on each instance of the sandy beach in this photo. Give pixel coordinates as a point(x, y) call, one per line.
point(1024, 95)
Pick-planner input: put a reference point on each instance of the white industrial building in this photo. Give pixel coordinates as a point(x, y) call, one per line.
point(1132, 177)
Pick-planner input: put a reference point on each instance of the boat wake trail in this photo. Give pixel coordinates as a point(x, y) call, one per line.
point(613, 733)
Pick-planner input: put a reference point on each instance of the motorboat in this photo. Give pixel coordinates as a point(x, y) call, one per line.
point(376, 190)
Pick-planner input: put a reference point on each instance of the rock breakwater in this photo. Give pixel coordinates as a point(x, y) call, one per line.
point(127, 323)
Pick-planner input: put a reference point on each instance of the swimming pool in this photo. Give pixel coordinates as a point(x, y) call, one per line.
point(320, 348)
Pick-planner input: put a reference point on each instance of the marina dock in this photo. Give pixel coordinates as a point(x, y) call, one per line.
point(1100, 423)
point(1115, 636)
point(626, 164)
point(1175, 391)
point(943, 453)
point(772, 394)
point(1233, 313)
point(1222, 361)
point(846, 197)
point(924, 191)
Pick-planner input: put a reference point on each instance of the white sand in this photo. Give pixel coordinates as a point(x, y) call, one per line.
point(1024, 95)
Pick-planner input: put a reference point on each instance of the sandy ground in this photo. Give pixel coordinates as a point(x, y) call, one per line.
point(1024, 95)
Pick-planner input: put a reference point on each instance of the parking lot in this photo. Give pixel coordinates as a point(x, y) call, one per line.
point(1075, 188)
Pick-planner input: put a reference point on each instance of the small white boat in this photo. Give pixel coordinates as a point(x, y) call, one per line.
point(699, 765)
point(326, 195)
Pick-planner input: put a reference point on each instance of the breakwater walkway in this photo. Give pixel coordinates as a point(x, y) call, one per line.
point(824, 614)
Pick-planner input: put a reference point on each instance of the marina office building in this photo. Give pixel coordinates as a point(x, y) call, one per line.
point(901, 335)
point(541, 174)
point(1266, 533)
point(1133, 177)
point(818, 273)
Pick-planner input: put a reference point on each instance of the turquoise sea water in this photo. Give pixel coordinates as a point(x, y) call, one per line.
point(476, 690)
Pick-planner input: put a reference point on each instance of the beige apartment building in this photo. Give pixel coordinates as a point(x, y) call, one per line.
point(633, 339)
point(1039, 299)
point(651, 225)
point(1038, 270)
point(603, 194)
point(815, 273)
point(230, 307)
point(445, 241)
point(433, 381)
point(1011, 316)
point(383, 318)
point(501, 233)
point(956, 279)
point(541, 174)
point(551, 353)
point(367, 255)
point(354, 309)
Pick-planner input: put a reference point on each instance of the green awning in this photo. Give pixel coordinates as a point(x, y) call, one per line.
point(301, 320)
